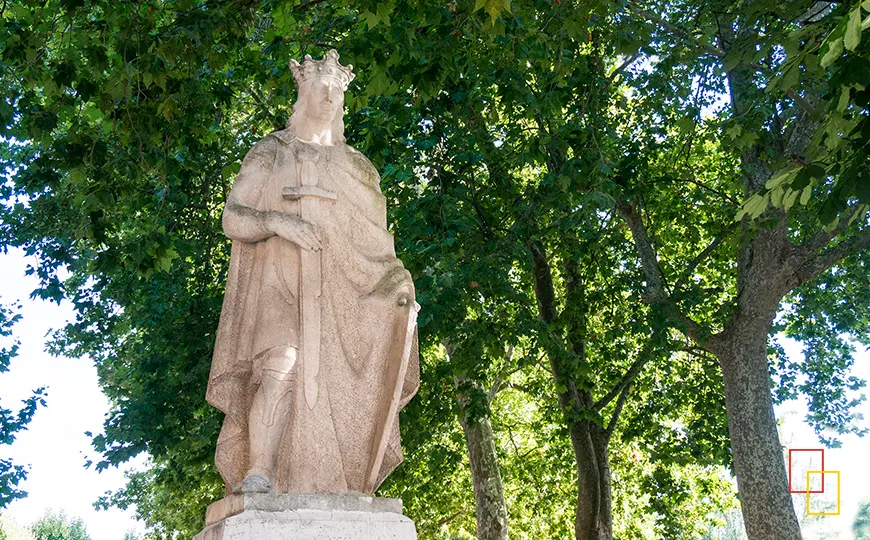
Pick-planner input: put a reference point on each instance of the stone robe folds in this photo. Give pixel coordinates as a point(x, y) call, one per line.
point(369, 367)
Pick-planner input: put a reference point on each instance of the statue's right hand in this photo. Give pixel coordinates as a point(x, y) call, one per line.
point(297, 230)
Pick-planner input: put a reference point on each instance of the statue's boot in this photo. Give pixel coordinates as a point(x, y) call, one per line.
point(253, 483)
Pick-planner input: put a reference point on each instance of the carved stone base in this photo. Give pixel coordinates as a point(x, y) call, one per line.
point(293, 516)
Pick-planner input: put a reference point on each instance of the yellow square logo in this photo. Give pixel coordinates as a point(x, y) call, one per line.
point(823, 473)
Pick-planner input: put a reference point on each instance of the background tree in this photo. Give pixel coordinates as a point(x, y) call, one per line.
point(11, 530)
point(861, 526)
point(13, 422)
point(779, 120)
point(57, 526)
point(502, 123)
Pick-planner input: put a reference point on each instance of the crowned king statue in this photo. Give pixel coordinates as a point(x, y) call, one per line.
point(316, 350)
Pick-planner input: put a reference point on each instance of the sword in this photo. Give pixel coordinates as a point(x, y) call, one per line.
point(309, 196)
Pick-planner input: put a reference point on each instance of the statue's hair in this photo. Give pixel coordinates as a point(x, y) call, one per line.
point(301, 106)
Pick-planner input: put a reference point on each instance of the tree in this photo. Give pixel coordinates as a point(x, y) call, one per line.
point(57, 526)
point(792, 242)
point(482, 149)
point(730, 529)
point(11, 530)
point(13, 422)
point(861, 526)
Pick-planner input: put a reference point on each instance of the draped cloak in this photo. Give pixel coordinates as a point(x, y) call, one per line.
point(369, 366)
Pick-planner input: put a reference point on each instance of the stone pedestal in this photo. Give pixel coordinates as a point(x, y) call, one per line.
point(293, 516)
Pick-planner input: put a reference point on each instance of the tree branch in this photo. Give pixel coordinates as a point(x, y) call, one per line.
point(619, 69)
point(498, 384)
point(649, 261)
point(620, 403)
point(258, 98)
point(523, 388)
point(832, 256)
point(308, 4)
point(545, 294)
point(626, 380)
point(801, 101)
point(811, 248)
point(722, 194)
point(451, 517)
point(656, 294)
point(715, 51)
point(544, 290)
point(687, 273)
point(814, 13)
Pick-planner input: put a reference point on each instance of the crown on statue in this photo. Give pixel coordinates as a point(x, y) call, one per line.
point(326, 68)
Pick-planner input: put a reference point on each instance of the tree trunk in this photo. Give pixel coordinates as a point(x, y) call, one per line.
point(489, 503)
point(762, 482)
point(758, 459)
point(492, 518)
point(601, 441)
point(592, 519)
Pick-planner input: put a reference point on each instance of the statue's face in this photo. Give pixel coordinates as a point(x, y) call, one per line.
point(325, 99)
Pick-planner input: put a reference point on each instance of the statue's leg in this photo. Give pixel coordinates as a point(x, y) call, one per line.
point(269, 415)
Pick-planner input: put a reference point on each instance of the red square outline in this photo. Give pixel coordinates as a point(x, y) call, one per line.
point(790, 450)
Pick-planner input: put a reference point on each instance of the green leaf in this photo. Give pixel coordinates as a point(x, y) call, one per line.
point(844, 99)
point(77, 175)
point(493, 7)
point(93, 113)
point(730, 61)
point(776, 196)
point(168, 108)
point(734, 131)
point(231, 170)
point(830, 226)
point(22, 13)
point(789, 199)
point(853, 30)
point(686, 124)
point(164, 262)
point(754, 206)
point(806, 194)
point(370, 18)
point(835, 49)
point(783, 177)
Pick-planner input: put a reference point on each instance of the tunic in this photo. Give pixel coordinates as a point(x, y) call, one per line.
point(369, 366)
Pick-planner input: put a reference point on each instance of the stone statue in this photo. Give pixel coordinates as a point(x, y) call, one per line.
point(316, 350)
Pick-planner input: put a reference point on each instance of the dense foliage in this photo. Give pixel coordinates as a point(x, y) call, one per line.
point(527, 149)
point(861, 526)
point(58, 526)
point(11, 422)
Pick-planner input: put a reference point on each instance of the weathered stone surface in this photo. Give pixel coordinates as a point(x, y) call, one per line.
point(316, 351)
point(293, 516)
point(277, 502)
